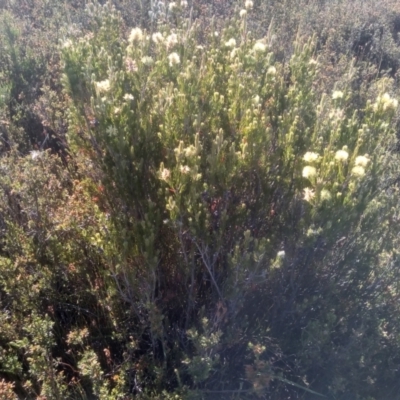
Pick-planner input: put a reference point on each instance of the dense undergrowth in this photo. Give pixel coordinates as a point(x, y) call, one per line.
point(199, 200)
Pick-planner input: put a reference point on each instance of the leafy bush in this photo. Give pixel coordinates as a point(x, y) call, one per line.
point(234, 179)
point(224, 226)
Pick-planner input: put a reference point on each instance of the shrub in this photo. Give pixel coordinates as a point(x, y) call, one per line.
point(238, 187)
point(224, 223)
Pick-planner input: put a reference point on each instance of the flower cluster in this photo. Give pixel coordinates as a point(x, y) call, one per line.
point(147, 60)
point(386, 102)
point(130, 65)
point(173, 59)
point(230, 43)
point(362, 161)
point(341, 155)
point(360, 164)
point(157, 38)
point(171, 40)
point(248, 4)
point(103, 86)
point(136, 35)
point(164, 173)
point(128, 96)
point(337, 94)
point(309, 194)
point(310, 157)
point(259, 47)
point(309, 172)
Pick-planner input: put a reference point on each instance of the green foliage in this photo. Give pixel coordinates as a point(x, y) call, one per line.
point(224, 223)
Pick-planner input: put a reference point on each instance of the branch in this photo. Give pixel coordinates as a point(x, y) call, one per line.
point(206, 263)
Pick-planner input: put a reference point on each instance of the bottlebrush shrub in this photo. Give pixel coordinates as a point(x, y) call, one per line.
point(244, 208)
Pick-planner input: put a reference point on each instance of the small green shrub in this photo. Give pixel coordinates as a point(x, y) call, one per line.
point(224, 223)
point(250, 182)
